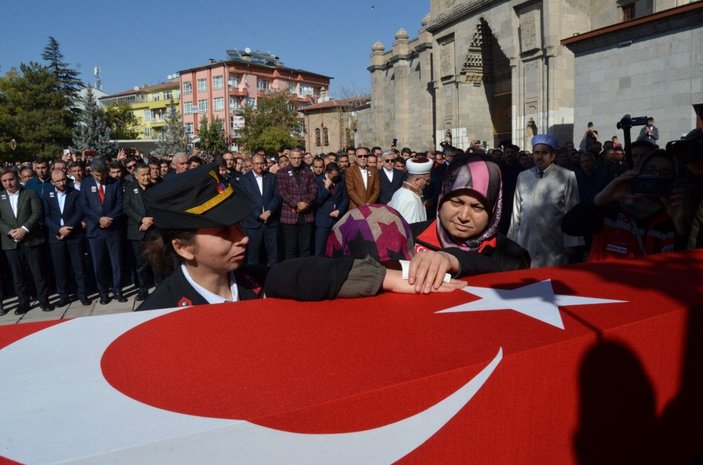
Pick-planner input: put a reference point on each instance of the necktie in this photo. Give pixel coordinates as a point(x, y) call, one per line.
point(541, 173)
point(101, 194)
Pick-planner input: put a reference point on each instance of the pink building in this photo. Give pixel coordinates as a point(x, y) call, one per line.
point(220, 88)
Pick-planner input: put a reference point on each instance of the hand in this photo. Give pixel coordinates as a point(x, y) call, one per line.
point(301, 207)
point(427, 270)
point(64, 231)
point(121, 155)
point(147, 222)
point(105, 222)
point(334, 213)
point(265, 216)
point(328, 182)
point(18, 234)
point(617, 189)
point(675, 209)
point(394, 282)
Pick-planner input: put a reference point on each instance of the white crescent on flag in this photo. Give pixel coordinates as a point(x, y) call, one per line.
point(81, 418)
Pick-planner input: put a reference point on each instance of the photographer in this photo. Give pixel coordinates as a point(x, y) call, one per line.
point(637, 214)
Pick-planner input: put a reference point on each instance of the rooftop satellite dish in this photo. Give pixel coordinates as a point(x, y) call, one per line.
point(135, 88)
point(247, 51)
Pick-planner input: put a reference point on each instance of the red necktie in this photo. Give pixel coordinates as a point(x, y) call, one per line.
point(101, 194)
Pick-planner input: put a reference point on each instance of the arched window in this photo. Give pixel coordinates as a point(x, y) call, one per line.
point(325, 137)
point(317, 137)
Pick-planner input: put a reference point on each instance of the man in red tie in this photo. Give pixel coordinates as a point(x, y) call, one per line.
point(102, 199)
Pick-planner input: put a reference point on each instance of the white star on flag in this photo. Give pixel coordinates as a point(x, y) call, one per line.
point(534, 300)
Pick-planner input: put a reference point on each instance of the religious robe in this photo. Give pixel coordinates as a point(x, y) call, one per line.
point(539, 205)
point(409, 205)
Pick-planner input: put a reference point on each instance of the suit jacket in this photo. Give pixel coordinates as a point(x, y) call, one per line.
point(358, 194)
point(268, 201)
point(388, 188)
point(292, 192)
point(72, 214)
point(29, 215)
point(113, 207)
point(327, 202)
point(135, 211)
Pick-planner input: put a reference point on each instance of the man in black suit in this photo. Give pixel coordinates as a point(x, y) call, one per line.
point(391, 178)
point(20, 217)
point(332, 203)
point(63, 216)
point(102, 200)
point(261, 224)
point(140, 225)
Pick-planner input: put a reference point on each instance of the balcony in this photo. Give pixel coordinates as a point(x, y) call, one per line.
point(235, 92)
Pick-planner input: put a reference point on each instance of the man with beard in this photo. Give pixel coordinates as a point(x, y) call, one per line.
point(631, 219)
point(298, 191)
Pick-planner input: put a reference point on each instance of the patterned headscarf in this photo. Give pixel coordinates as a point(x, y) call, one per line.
point(371, 230)
point(482, 177)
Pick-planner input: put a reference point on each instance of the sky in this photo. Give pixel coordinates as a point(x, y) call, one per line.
point(142, 42)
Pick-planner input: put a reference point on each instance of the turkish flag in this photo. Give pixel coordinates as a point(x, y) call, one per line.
point(594, 363)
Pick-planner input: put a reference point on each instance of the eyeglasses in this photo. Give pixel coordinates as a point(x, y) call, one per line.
point(131, 167)
point(362, 156)
point(390, 160)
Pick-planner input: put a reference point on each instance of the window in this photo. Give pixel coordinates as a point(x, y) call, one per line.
point(262, 84)
point(155, 97)
point(187, 108)
point(628, 12)
point(218, 82)
point(292, 87)
point(251, 102)
point(202, 106)
point(325, 137)
point(306, 90)
point(317, 137)
point(147, 132)
point(147, 115)
point(218, 104)
point(202, 85)
point(187, 87)
point(189, 128)
point(168, 95)
point(233, 81)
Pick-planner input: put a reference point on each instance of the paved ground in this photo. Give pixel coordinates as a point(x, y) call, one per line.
point(74, 310)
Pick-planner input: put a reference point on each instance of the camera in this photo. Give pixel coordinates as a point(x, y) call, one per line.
point(652, 185)
point(688, 149)
point(627, 122)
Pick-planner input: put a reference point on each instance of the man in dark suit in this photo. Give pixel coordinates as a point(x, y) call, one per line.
point(20, 216)
point(332, 203)
point(140, 225)
point(261, 224)
point(391, 178)
point(363, 184)
point(102, 200)
point(63, 215)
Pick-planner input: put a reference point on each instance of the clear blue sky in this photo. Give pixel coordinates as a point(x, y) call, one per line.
point(141, 42)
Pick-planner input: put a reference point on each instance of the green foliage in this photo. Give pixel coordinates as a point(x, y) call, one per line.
point(212, 137)
point(69, 82)
point(273, 124)
point(34, 112)
point(121, 121)
point(92, 131)
point(172, 138)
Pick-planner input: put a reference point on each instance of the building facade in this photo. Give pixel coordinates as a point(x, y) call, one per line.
point(332, 125)
point(486, 70)
point(220, 89)
point(149, 105)
point(651, 66)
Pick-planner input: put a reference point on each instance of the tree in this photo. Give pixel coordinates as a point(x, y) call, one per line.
point(212, 137)
point(34, 113)
point(69, 82)
point(92, 131)
point(121, 121)
point(273, 124)
point(172, 138)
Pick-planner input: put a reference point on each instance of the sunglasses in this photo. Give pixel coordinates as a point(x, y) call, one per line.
point(131, 167)
point(362, 156)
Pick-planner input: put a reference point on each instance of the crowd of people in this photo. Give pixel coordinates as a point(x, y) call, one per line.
point(83, 223)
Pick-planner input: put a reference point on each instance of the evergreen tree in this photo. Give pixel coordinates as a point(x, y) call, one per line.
point(172, 138)
point(34, 112)
point(70, 83)
point(212, 137)
point(92, 131)
point(273, 124)
point(121, 121)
